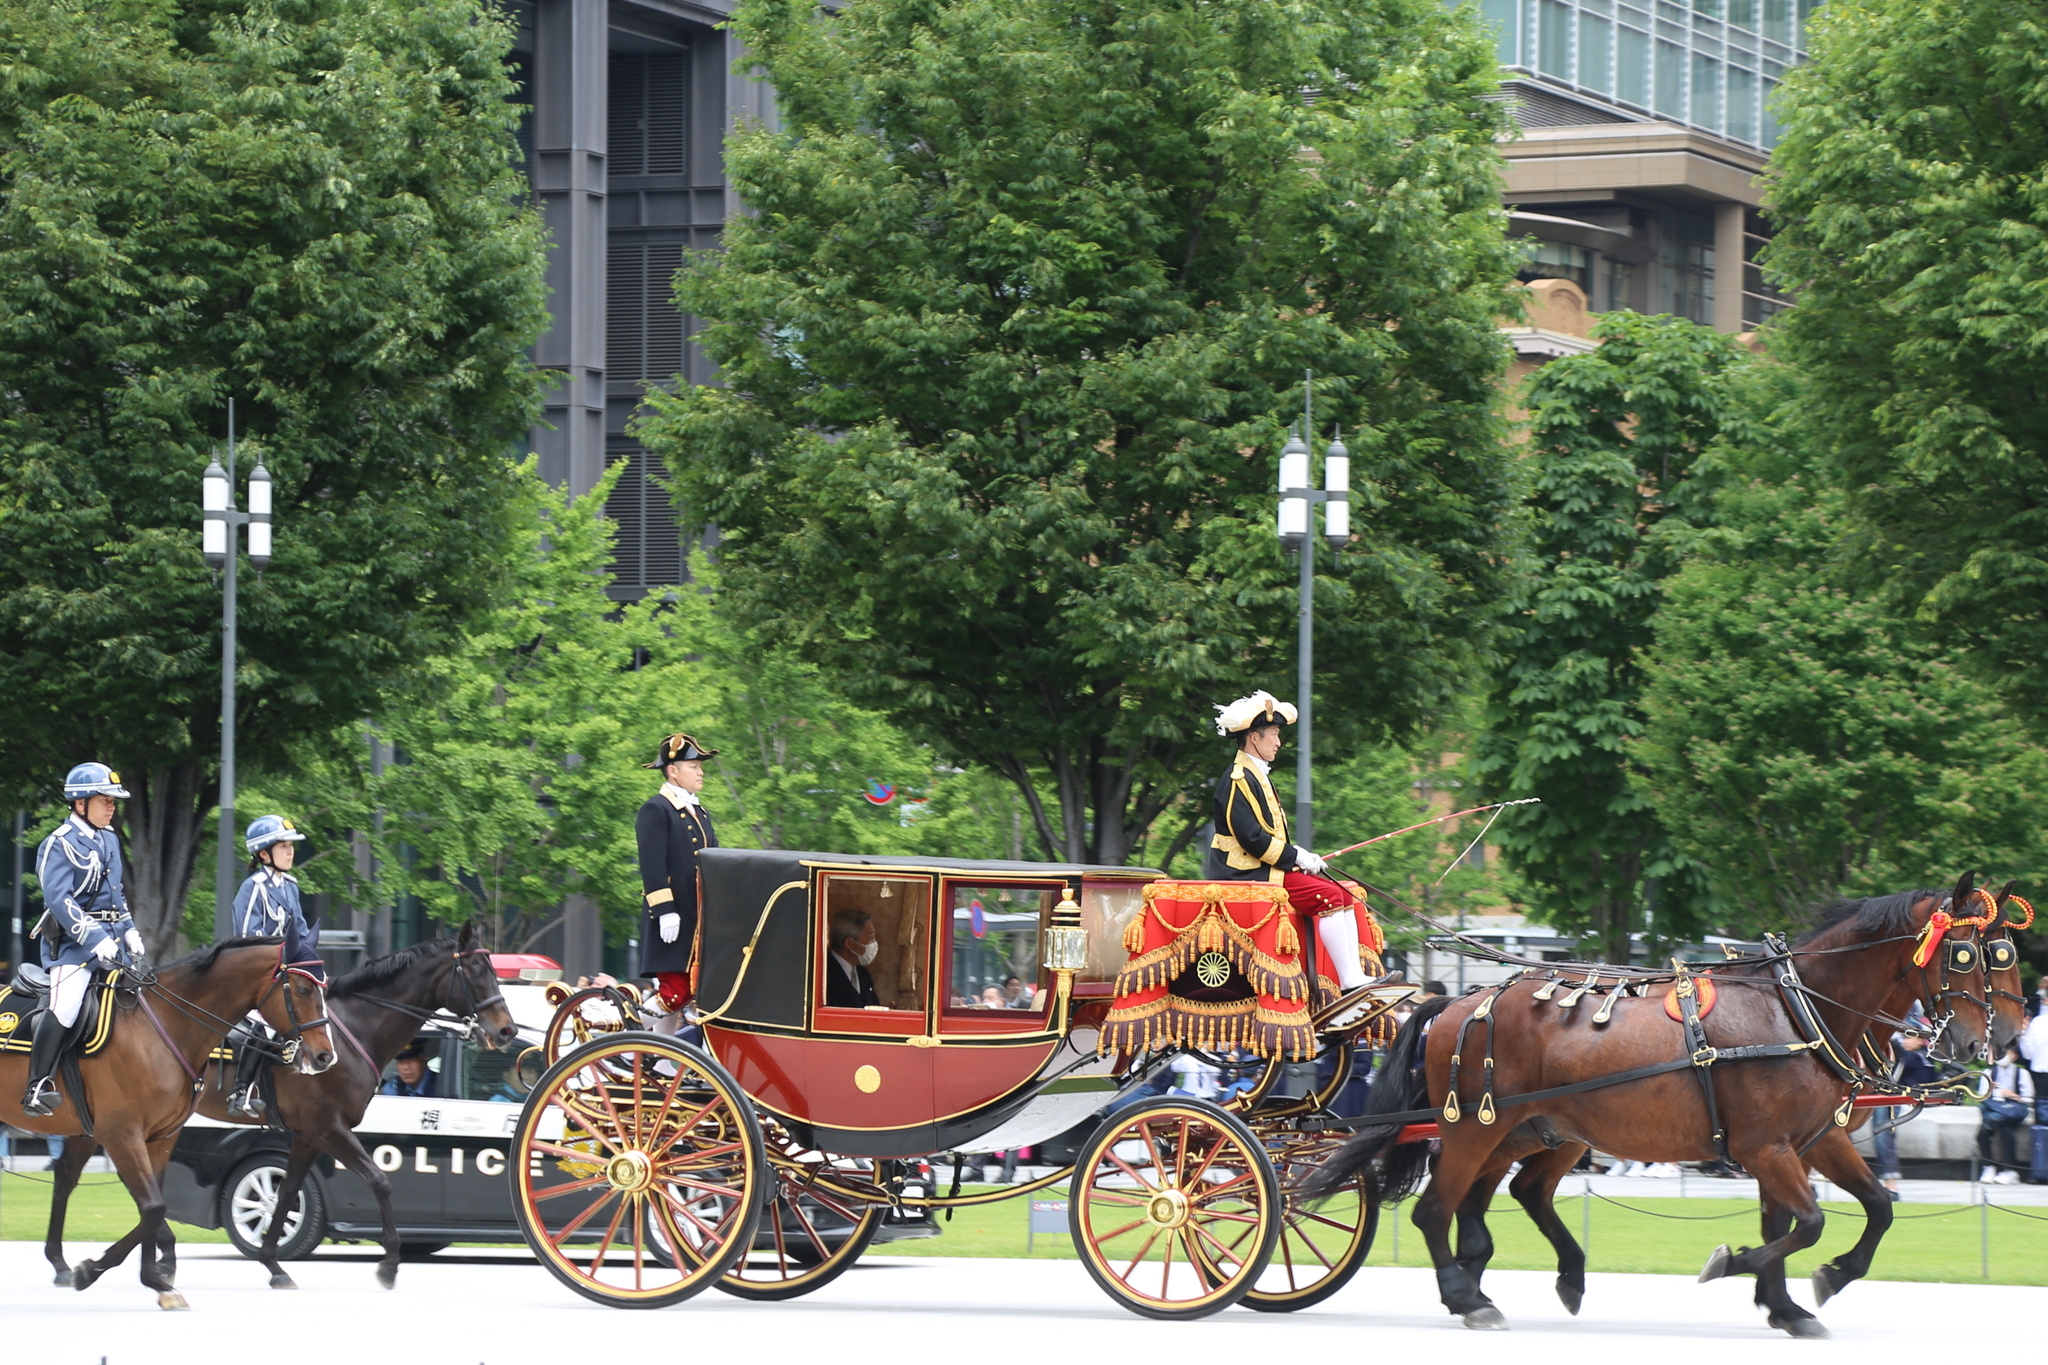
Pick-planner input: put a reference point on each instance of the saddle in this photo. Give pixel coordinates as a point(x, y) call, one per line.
point(27, 996)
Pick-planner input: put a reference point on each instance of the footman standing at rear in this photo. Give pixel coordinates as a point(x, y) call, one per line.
point(672, 829)
point(85, 924)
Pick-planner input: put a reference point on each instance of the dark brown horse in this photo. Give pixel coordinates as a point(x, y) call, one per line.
point(376, 1010)
point(139, 1089)
point(1779, 1112)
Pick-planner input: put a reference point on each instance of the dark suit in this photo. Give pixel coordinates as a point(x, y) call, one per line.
point(840, 992)
point(1250, 844)
point(669, 841)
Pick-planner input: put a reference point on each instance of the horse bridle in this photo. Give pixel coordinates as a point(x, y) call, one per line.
point(473, 1008)
point(286, 1047)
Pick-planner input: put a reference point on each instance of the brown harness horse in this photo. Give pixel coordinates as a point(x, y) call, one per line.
point(140, 1088)
point(1771, 1073)
point(376, 1009)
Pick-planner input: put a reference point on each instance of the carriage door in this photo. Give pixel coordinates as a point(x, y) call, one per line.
point(870, 1067)
point(995, 1020)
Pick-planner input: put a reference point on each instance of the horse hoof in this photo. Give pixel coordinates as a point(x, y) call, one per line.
point(1807, 1329)
point(387, 1275)
point(62, 1279)
point(283, 1281)
point(1571, 1293)
point(171, 1301)
point(83, 1274)
point(1487, 1319)
point(1717, 1264)
point(1828, 1281)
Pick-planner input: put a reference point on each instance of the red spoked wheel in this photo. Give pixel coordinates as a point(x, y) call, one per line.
point(822, 1213)
point(637, 1171)
point(1321, 1245)
point(1175, 1208)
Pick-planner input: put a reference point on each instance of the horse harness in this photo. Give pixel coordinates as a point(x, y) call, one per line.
point(472, 1008)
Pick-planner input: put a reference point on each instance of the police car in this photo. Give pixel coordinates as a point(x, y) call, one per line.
point(444, 1154)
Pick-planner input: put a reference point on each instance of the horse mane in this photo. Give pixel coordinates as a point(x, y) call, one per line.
point(201, 959)
point(384, 970)
point(1879, 916)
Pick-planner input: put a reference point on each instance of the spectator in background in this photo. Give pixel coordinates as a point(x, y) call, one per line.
point(2034, 1048)
point(413, 1080)
point(1194, 1077)
point(1910, 1066)
point(2008, 1106)
point(1430, 988)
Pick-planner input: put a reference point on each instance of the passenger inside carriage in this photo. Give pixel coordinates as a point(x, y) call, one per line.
point(873, 941)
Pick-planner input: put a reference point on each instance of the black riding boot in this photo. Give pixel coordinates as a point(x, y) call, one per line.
point(243, 1099)
point(42, 1098)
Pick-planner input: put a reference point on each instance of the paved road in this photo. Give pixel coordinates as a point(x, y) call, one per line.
point(459, 1309)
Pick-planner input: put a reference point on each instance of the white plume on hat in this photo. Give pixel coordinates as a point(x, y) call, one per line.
point(1258, 706)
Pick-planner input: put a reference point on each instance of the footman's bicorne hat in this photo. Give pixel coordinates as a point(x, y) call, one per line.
point(679, 749)
point(1260, 708)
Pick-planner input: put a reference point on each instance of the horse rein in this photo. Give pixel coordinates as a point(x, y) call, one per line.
point(473, 1008)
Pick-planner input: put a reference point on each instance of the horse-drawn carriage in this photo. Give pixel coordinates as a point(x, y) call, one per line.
point(1017, 1000)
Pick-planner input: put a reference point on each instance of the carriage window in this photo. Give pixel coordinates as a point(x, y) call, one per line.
point(994, 946)
point(900, 909)
point(1106, 911)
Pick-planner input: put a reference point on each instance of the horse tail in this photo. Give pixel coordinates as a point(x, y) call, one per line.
point(1400, 1087)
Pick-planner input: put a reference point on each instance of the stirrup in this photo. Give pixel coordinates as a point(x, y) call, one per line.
point(42, 1098)
point(246, 1103)
point(1360, 1005)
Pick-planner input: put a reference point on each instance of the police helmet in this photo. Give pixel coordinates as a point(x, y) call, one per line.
point(92, 779)
point(266, 830)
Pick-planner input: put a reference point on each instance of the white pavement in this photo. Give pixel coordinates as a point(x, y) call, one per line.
point(489, 1308)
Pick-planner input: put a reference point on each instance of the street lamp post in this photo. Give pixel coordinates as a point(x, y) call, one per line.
point(217, 542)
point(1297, 496)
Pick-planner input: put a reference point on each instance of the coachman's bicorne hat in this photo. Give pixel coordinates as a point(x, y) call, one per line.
point(679, 749)
point(1260, 708)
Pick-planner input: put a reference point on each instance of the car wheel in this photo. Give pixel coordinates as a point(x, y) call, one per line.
point(249, 1199)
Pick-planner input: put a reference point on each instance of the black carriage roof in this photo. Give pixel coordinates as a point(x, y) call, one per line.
point(793, 861)
point(755, 922)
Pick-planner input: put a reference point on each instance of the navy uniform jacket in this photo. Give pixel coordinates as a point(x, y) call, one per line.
point(80, 869)
point(670, 837)
point(268, 906)
point(1251, 843)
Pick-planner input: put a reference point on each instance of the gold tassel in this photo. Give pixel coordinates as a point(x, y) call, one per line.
point(1289, 940)
point(1210, 940)
point(1134, 935)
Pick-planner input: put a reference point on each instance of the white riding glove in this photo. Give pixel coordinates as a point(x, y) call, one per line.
point(1309, 861)
point(106, 949)
point(133, 939)
point(670, 925)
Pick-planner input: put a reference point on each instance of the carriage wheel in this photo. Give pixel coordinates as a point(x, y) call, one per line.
point(1175, 1208)
point(637, 1171)
point(1321, 1245)
point(584, 1015)
point(808, 1236)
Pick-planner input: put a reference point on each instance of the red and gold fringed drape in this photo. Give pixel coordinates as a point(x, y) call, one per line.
point(1195, 945)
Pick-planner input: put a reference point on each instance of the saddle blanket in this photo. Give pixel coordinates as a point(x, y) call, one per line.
point(95, 1019)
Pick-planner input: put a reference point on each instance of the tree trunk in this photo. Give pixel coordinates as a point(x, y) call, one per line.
point(162, 824)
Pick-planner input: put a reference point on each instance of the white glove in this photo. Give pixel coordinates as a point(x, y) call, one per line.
point(106, 949)
point(670, 925)
point(1309, 861)
point(133, 939)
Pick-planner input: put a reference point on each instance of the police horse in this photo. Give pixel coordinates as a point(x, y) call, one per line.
point(148, 1049)
point(375, 1009)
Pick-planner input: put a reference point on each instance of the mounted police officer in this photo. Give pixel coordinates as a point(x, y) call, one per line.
point(85, 925)
point(671, 830)
point(268, 906)
point(1251, 844)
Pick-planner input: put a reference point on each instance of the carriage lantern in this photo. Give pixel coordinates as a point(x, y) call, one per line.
point(1066, 942)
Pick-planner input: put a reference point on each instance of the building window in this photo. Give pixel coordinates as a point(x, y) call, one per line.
point(648, 550)
point(1594, 53)
point(1741, 119)
point(1554, 39)
point(1500, 16)
point(644, 333)
point(1706, 92)
point(1670, 100)
point(1685, 259)
point(1559, 261)
point(649, 123)
point(1618, 284)
point(1632, 66)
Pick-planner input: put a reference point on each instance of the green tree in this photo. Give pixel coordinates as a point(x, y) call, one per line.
point(1008, 342)
point(1802, 740)
point(1911, 216)
point(310, 205)
point(1614, 436)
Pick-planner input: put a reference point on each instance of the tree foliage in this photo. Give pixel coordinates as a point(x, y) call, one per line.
point(1614, 438)
point(1009, 340)
point(1911, 196)
point(1802, 740)
point(310, 205)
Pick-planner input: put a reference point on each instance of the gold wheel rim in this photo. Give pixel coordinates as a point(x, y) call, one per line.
point(1306, 1253)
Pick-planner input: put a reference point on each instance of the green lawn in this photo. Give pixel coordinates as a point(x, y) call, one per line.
point(1929, 1242)
point(1942, 1247)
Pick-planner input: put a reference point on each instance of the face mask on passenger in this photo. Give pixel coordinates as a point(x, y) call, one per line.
point(867, 954)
